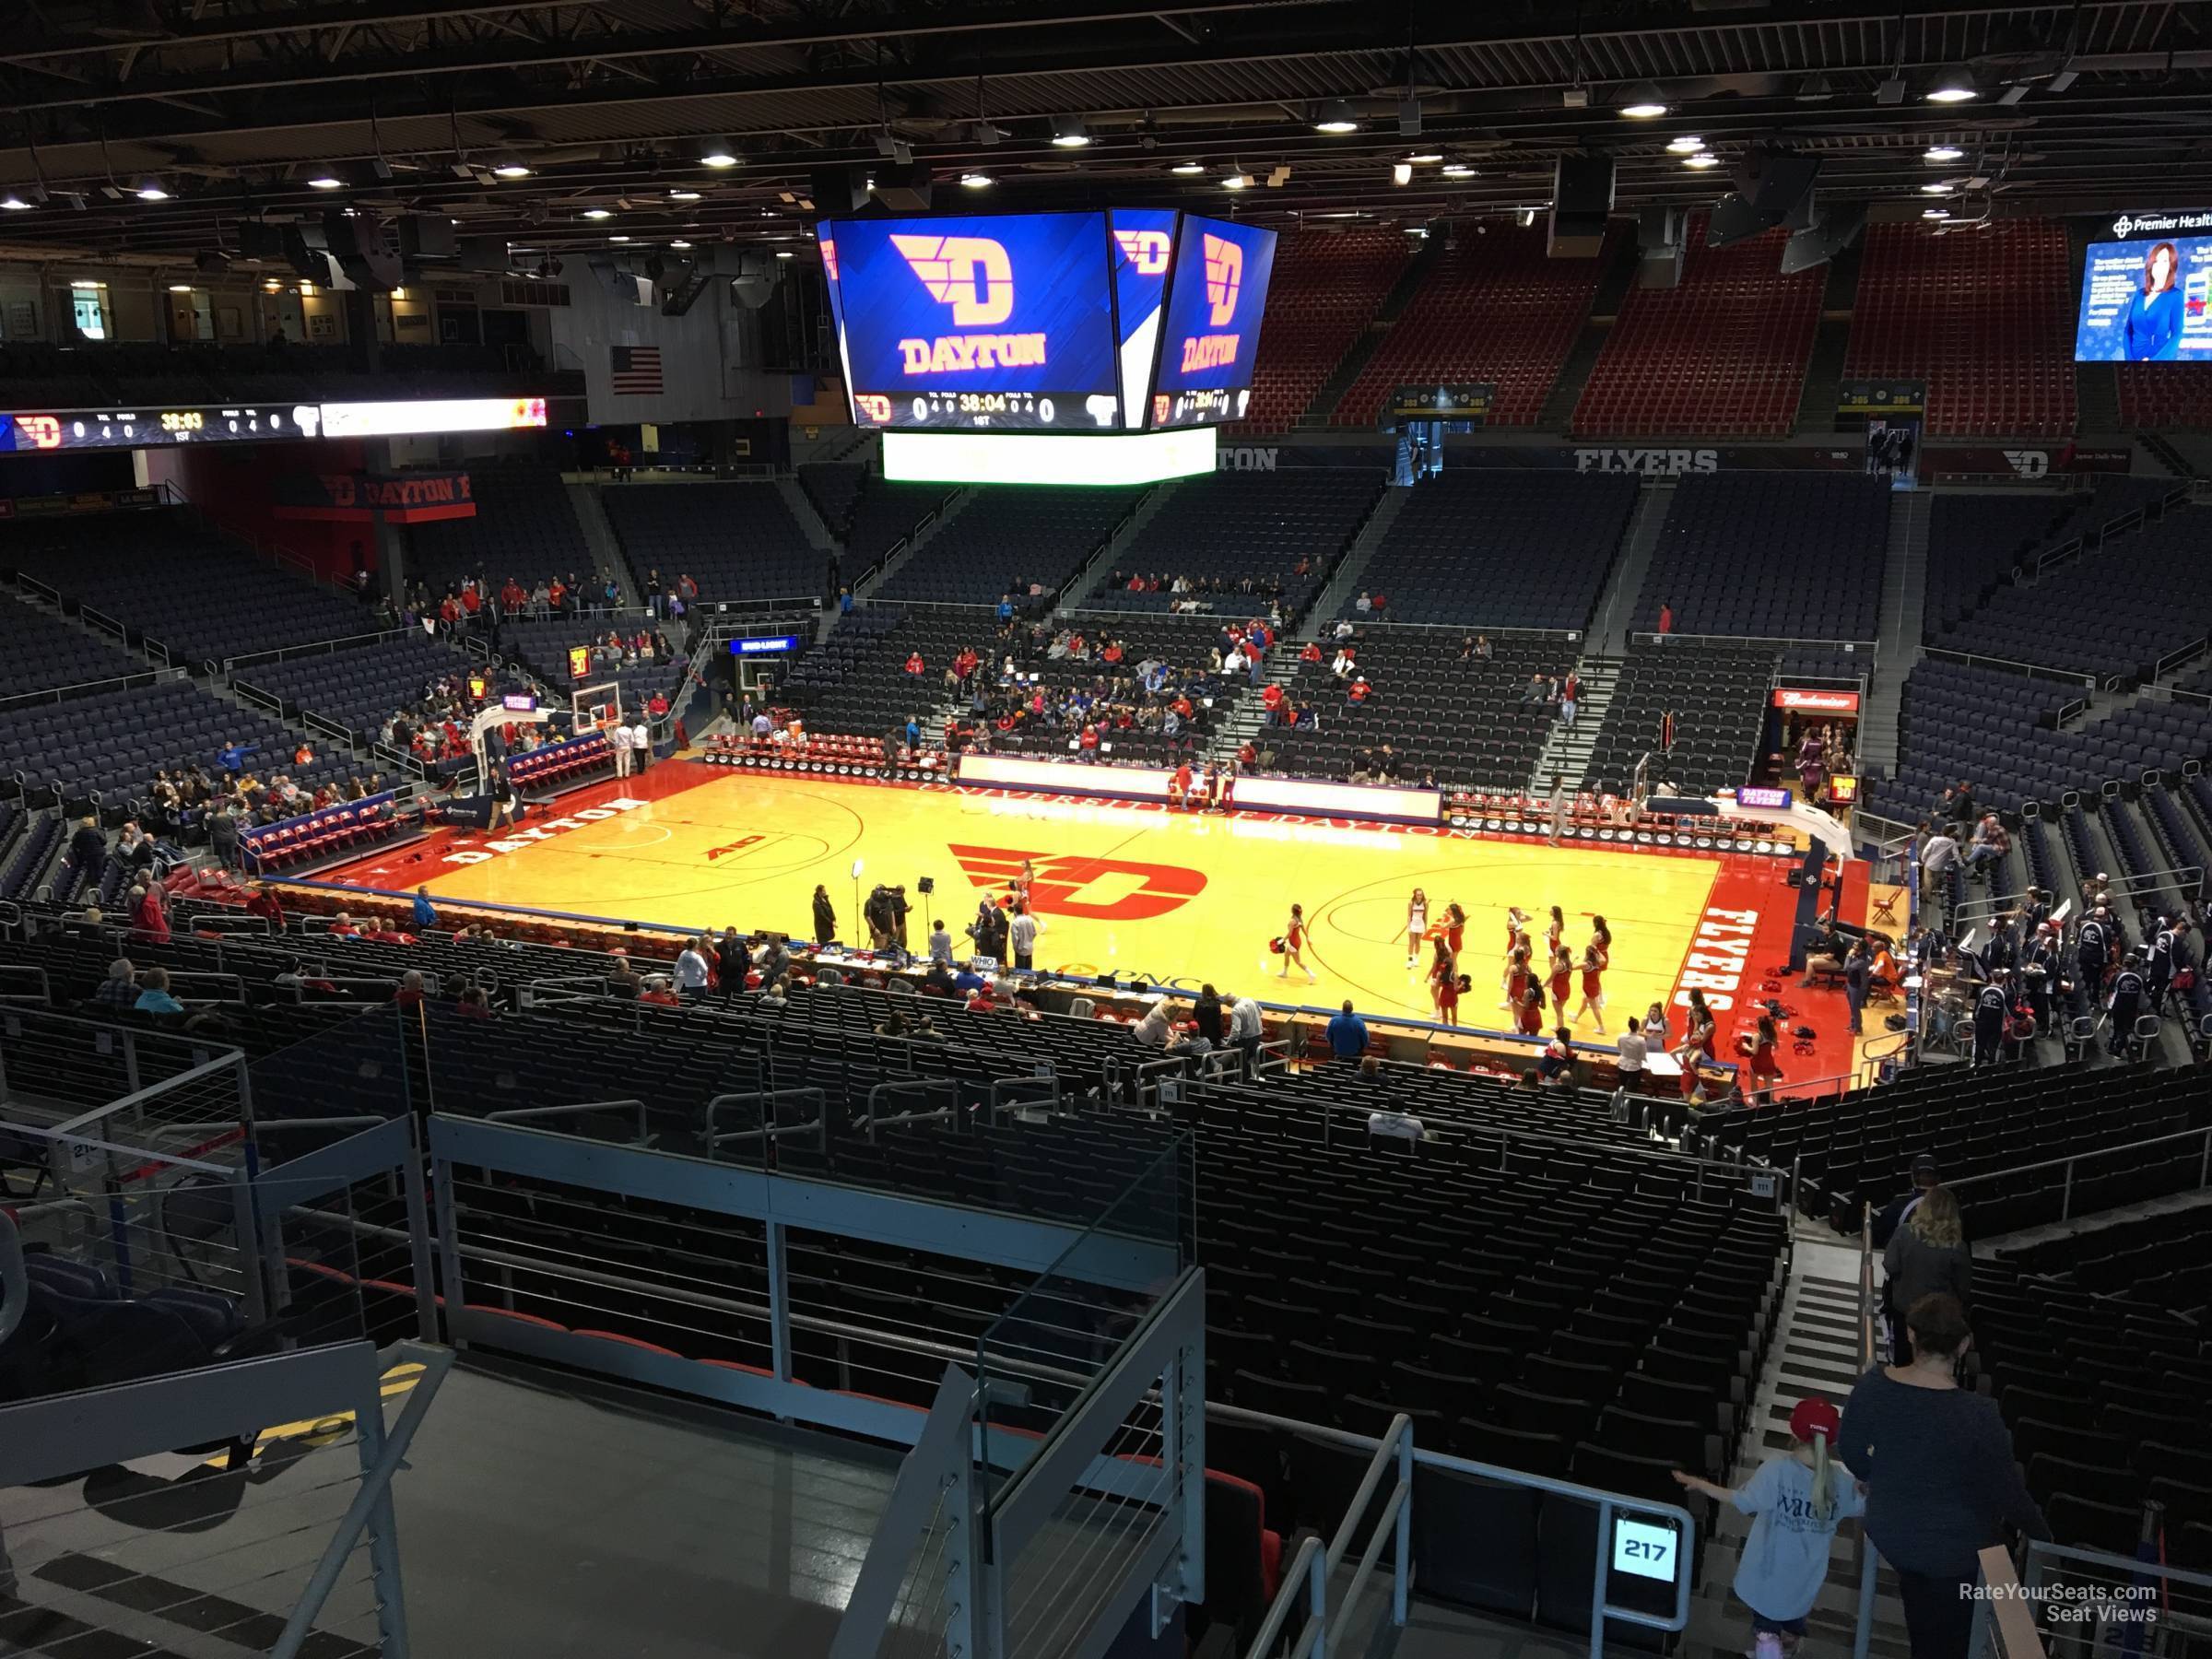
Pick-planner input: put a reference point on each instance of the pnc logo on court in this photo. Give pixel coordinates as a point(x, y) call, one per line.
point(1096, 889)
point(971, 273)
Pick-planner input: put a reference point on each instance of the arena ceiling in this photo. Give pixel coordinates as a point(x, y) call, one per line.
point(233, 109)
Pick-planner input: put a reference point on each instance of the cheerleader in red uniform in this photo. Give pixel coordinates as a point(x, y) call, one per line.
point(1764, 1068)
point(1528, 1016)
point(1443, 982)
point(1562, 981)
point(1555, 935)
point(1593, 994)
point(1518, 979)
point(1455, 929)
point(1294, 944)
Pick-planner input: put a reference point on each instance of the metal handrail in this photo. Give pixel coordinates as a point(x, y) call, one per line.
point(526, 1114)
point(14, 1281)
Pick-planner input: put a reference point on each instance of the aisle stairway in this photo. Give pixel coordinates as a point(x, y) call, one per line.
point(946, 514)
point(1904, 606)
point(1616, 604)
point(1322, 616)
point(1568, 749)
point(599, 537)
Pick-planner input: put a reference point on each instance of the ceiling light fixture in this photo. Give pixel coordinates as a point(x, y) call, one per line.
point(1644, 103)
point(1937, 187)
point(969, 181)
point(598, 213)
point(785, 253)
point(1069, 132)
point(1336, 118)
point(1239, 180)
point(510, 169)
point(12, 203)
point(1401, 172)
point(1953, 86)
point(1936, 213)
point(1458, 169)
point(151, 190)
point(718, 152)
point(180, 287)
point(682, 195)
point(86, 282)
point(1703, 159)
point(1424, 159)
point(615, 239)
point(326, 181)
point(679, 242)
point(1689, 144)
point(1188, 168)
point(1941, 152)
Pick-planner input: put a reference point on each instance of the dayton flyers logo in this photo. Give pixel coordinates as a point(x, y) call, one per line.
point(971, 273)
point(1064, 884)
point(1146, 250)
point(1224, 276)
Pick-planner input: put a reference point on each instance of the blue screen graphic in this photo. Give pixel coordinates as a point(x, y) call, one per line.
point(977, 322)
point(1144, 248)
point(1216, 298)
point(2147, 299)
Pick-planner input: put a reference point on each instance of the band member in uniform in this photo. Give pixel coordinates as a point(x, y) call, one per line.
point(2126, 1004)
point(1992, 1007)
point(2038, 974)
point(2158, 973)
point(2093, 951)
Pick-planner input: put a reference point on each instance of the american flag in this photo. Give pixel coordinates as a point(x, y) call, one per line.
point(637, 371)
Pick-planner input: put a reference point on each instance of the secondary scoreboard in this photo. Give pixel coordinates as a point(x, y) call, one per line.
point(1128, 321)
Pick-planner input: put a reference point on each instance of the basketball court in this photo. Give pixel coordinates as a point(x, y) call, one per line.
point(1130, 889)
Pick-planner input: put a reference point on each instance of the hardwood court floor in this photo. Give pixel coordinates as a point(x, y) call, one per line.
point(1132, 889)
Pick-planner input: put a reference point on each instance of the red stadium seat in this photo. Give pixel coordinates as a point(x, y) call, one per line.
point(1985, 317)
point(1324, 290)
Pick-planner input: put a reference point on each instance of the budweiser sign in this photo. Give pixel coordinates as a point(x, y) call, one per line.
point(1817, 702)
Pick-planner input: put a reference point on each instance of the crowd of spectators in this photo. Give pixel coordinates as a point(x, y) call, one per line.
point(1194, 595)
point(473, 605)
point(1039, 689)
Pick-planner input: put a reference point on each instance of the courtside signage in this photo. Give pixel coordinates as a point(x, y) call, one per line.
point(529, 835)
point(1211, 334)
point(1820, 702)
point(774, 645)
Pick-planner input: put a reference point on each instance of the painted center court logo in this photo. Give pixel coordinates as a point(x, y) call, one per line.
point(971, 273)
point(1224, 276)
point(1096, 889)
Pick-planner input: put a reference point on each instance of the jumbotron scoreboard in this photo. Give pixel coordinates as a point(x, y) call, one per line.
point(1111, 326)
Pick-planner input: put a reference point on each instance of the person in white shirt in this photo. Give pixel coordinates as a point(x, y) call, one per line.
point(617, 738)
point(640, 744)
point(1022, 931)
point(691, 971)
point(1244, 1030)
point(1153, 1030)
point(1633, 1049)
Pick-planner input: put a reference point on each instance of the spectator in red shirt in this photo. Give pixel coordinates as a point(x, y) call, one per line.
point(1312, 654)
point(657, 705)
point(264, 903)
point(1248, 756)
point(1358, 690)
point(1272, 701)
point(1666, 617)
point(409, 994)
point(512, 597)
point(474, 1003)
point(148, 919)
point(915, 664)
point(556, 592)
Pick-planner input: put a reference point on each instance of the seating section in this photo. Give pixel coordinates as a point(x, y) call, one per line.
point(1858, 1149)
point(2112, 610)
point(1083, 690)
point(201, 598)
point(1459, 717)
point(2103, 1392)
point(39, 652)
point(1242, 538)
point(738, 541)
point(1718, 696)
point(119, 739)
point(1324, 289)
point(1496, 308)
point(1720, 354)
point(2165, 394)
point(1496, 547)
point(1770, 555)
point(542, 648)
point(1011, 537)
point(1993, 727)
point(867, 515)
point(1975, 541)
point(525, 527)
point(360, 688)
point(1985, 318)
point(2164, 1259)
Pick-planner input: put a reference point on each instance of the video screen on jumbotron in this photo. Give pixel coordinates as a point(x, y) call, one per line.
point(1144, 248)
point(976, 323)
point(1210, 331)
point(2144, 293)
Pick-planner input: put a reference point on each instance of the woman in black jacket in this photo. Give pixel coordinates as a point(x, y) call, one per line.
point(825, 916)
point(1941, 1482)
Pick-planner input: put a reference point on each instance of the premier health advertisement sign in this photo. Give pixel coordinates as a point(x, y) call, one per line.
point(2144, 294)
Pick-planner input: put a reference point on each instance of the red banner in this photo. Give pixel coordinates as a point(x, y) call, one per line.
point(402, 499)
point(1817, 702)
